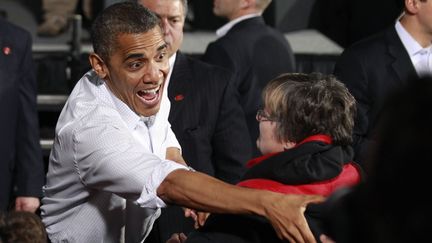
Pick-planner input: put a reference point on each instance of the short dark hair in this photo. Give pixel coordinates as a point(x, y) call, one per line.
point(21, 226)
point(120, 18)
point(310, 104)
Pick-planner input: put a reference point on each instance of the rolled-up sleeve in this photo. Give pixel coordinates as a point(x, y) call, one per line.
point(149, 196)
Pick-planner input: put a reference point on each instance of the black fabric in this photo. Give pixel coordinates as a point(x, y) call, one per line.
point(372, 69)
point(209, 124)
point(21, 166)
point(223, 228)
point(255, 53)
point(208, 120)
point(310, 162)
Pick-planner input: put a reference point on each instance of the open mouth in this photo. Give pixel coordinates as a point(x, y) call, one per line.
point(149, 97)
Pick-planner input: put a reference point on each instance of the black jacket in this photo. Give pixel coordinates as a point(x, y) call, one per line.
point(255, 53)
point(209, 124)
point(21, 166)
point(372, 69)
point(308, 163)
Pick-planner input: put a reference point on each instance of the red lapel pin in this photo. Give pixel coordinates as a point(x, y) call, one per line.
point(6, 50)
point(178, 97)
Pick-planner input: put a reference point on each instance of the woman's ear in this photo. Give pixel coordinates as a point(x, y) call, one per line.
point(98, 65)
point(288, 145)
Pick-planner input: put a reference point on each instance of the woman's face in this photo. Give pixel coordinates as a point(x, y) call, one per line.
point(267, 141)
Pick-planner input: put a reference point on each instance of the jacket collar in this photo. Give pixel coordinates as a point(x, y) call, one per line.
point(401, 61)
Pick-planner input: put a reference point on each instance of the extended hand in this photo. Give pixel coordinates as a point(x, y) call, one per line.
point(199, 217)
point(286, 214)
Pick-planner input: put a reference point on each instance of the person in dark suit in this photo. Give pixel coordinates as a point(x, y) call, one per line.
point(205, 114)
point(21, 165)
point(374, 67)
point(253, 51)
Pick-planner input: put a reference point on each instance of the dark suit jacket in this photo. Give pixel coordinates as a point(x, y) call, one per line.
point(372, 69)
point(21, 163)
point(255, 53)
point(209, 124)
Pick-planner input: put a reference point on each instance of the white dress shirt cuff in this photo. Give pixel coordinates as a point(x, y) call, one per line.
point(149, 198)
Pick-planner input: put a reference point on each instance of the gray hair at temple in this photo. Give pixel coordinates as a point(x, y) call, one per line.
point(184, 3)
point(120, 18)
point(309, 104)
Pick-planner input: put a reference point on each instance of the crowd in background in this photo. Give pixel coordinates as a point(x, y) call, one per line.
point(150, 127)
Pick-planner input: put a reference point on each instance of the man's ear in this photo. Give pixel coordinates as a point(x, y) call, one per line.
point(98, 65)
point(412, 6)
point(244, 4)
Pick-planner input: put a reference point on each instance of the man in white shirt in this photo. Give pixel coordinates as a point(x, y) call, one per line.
point(105, 159)
point(378, 65)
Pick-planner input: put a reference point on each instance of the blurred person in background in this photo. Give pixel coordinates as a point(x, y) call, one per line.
point(22, 173)
point(252, 50)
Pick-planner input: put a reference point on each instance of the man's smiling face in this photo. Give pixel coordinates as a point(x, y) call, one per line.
point(137, 69)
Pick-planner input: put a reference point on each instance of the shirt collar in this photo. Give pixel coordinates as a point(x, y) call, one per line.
point(171, 62)
point(224, 29)
point(131, 119)
point(411, 45)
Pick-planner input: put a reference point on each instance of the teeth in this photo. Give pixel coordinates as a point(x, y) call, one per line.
point(151, 91)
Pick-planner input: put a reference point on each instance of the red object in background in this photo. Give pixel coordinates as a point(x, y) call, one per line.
point(6, 50)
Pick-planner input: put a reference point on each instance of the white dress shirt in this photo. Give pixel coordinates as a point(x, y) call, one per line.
point(104, 153)
point(421, 57)
point(165, 106)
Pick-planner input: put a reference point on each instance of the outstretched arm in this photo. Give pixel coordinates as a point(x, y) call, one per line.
point(199, 191)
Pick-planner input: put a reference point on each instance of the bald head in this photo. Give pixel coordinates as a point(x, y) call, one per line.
point(232, 9)
point(172, 14)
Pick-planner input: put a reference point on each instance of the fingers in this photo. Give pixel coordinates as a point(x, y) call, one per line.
point(182, 237)
point(28, 204)
point(296, 230)
point(313, 199)
point(305, 231)
point(177, 238)
point(326, 239)
point(201, 219)
point(287, 217)
point(190, 213)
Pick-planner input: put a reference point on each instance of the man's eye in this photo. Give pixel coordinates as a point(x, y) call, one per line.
point(175, 20)
point(135, 65)
point(161, 56)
